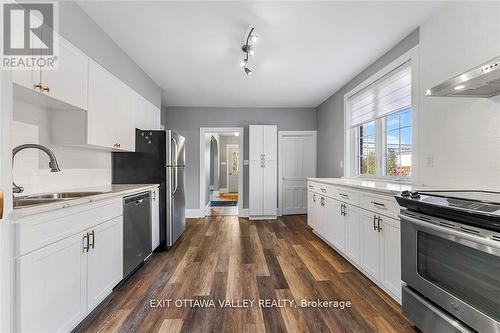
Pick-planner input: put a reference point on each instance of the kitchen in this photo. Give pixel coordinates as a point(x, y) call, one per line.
point(363, 175)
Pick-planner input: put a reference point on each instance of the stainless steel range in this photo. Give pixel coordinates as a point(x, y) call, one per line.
point(450, 261)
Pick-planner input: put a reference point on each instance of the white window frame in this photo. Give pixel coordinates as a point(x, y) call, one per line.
point(351, 135)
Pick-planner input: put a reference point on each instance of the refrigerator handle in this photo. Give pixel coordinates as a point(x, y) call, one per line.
point(174, 163)
point(174, 176)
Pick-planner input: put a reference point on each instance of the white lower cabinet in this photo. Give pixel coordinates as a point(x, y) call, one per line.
point(367, 238)
point(370, 240)
point(60, 283)
point(104, 261)
point(52, 287)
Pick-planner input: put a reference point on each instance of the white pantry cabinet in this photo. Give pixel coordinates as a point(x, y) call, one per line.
point(263, 171)
point(361, 226)
point(155, 218)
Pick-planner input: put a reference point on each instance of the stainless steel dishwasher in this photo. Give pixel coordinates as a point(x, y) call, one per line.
point(136, 231)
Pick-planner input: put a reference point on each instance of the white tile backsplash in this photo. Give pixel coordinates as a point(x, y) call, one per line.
point(80, 167)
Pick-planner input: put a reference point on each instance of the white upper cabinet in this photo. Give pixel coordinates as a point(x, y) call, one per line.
point(256, 139)
point(147, 115)
point(270, 144)
point(68, 83)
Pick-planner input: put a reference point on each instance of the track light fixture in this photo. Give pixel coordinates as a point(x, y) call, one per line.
point(248, 49)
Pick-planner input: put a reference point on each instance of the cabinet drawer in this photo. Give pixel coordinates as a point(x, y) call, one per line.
point(386, 205)
point(39, 230)
point(345, 195)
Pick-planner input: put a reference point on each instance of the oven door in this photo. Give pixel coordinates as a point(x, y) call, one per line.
point(457, 270)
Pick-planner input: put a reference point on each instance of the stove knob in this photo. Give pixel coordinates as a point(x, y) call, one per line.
point(415, 195)
point(405, 193)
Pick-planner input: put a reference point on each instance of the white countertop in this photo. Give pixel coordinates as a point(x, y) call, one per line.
point(365, 184)
point(110, 191)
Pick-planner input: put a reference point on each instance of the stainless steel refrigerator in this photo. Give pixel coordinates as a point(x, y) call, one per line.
point(159, 158)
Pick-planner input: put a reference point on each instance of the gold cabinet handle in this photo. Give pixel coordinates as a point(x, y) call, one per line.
point(46, 88)
point(39, 86)
point(1, 204)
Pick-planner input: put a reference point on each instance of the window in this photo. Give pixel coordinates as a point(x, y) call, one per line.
point(379, 121)
point(397, 158)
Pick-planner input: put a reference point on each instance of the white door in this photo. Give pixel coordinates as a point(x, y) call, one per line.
point(232, 167)
point(105, 260)
point(390, 249)
point(52, 288)
point(255, 188)
point(370, 244)
point(297, 162)
point(353, 233)
point(270, 188)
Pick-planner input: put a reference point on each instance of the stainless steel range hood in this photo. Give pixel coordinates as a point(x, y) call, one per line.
point(481, 81)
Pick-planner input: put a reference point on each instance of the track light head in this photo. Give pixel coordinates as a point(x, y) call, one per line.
point(247, 71)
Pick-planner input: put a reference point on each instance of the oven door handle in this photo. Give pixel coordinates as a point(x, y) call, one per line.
point(449, 231)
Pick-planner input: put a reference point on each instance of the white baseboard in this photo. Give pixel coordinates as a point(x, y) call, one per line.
point(263, 217)
point(243, 212)
point(194, 213)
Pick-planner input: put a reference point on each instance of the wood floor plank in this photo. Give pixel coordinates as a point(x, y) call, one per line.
point(226, 258)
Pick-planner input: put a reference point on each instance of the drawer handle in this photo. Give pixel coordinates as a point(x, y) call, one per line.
point(323, 189)
point(378, 204)
point(343, 195)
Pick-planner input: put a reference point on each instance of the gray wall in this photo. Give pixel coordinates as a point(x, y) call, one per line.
point(78, 28)
point(331, 112)
point(188, 120)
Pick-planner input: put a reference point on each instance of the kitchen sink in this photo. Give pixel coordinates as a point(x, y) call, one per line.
point(32, 200)
point(25, 202)
point(63, 195)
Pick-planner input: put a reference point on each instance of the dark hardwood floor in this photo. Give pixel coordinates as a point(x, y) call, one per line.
point(226, 258)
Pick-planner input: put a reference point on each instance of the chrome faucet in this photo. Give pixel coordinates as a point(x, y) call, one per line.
point(54, 167)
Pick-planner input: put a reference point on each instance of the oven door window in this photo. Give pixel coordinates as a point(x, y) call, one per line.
point(468, 274)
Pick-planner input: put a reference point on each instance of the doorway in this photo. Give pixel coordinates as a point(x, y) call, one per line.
point(297, 162)
point(221, 176)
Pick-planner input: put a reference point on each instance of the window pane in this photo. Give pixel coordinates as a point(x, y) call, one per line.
point(406, 118)
point(367, 163)
point(398, 142)
point(368, 129)
point(392, 121)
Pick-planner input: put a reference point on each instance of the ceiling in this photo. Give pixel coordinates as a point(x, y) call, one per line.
point(306, 50)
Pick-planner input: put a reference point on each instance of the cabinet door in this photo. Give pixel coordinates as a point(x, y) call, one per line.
point(255, 188)
point(124, 113)
point(335, 226)
point(390, 253)
point(370, 244)
point(100, 114)
point(52, 288)
point(312, 208)
point(270, 188)
point(105, 260)
point(353, 233)
point(155, 219)
point(321, 216)
point(69, 82)
point(255, 143)
point(270, 142)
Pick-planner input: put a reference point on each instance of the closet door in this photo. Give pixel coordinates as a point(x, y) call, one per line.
point(255, 144)
point(270, 144)
point(270, 188)
point(255, 188)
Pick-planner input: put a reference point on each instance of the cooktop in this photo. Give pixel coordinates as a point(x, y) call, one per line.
point(478, 208)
